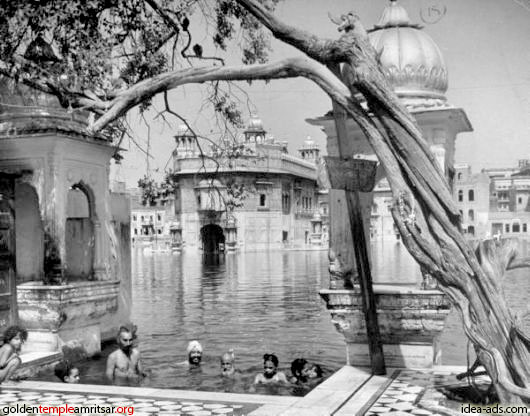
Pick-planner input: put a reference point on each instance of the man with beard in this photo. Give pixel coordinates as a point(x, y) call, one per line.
point(124, 363)
point(194, 352)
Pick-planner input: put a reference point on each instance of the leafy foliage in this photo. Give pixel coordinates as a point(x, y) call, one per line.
point(150, 192)
point(230, 17)
point(105, 46)
point(236, 194)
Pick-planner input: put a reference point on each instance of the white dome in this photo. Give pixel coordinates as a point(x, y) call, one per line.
point(255, 123)
point(410, 59)
point(183, 130)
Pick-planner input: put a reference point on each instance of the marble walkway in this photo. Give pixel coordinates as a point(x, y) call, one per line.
point(349, 392)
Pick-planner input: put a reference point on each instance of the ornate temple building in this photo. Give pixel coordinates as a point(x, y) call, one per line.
point(414, 66)
point(248, 195)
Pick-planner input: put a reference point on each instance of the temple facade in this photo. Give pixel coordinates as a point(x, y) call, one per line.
point(247, 195)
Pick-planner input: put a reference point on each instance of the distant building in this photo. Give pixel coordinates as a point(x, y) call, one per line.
point(149, 222)
point(381, 222)
point(510, 200)
point(471, 193)
point(246, 195)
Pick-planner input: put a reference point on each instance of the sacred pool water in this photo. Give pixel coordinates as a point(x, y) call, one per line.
point(254, 303)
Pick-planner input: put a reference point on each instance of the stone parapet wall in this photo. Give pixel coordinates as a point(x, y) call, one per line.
point(71, 316)
point(57, 307)
point(410, 323)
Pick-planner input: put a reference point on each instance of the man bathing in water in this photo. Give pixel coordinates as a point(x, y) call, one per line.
point(228, 369)
point(194, 352)
point(124, 363)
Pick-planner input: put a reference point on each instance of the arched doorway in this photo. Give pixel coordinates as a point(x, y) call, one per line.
point(212, 238)
point(29, 234)
point(79, 233)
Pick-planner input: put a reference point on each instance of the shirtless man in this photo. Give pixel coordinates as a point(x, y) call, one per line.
point(124, 363)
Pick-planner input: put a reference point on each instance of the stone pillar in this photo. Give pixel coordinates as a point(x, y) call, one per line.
point(231, 234)
point(316, 229)
point(54, 223)
point(100, 271)
point(175, 229)
point(438, 151)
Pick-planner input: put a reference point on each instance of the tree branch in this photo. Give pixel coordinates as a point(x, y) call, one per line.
point(316, 48)
point(146, 89)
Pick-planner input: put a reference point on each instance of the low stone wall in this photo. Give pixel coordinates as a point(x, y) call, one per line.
point(410, 322)
point(61, 315)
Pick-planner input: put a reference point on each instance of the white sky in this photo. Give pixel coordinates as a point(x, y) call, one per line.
point(486, 48)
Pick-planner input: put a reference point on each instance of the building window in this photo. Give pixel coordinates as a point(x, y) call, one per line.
point(507, 227)
point(136, 231)
point(262, 200)
point(519, 200)
point(516, 227)
point(159, 231)
point(286, 203)
point(459, 176)
point(471, 215)
point(460, 195)
point(524, 228)
point(134, 217)
point(471, 230)
point(159, 217)
point(199, 201)
point(471, 195)
point(142, 217)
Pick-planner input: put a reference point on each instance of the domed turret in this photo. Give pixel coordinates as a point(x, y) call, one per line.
point(255, 132)
point(183, 130)
point(186, 142)
point(410, 59)
point(310, 151)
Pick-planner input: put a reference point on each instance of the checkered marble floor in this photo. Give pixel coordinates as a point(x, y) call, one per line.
point(401, 397)
point(142, 406)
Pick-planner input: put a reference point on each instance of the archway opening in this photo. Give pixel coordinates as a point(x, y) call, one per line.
point(79, 234)
point(29, 234)
point(212, 238)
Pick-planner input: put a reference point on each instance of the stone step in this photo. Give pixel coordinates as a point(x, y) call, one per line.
point(366, 396)
point(329, 396)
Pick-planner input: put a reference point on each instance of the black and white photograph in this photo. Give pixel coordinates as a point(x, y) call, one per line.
point(264, 207)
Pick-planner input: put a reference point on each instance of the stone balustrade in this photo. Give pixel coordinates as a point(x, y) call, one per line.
point(271, 164)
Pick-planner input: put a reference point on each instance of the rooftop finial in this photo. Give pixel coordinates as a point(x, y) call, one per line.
point(394, 15)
